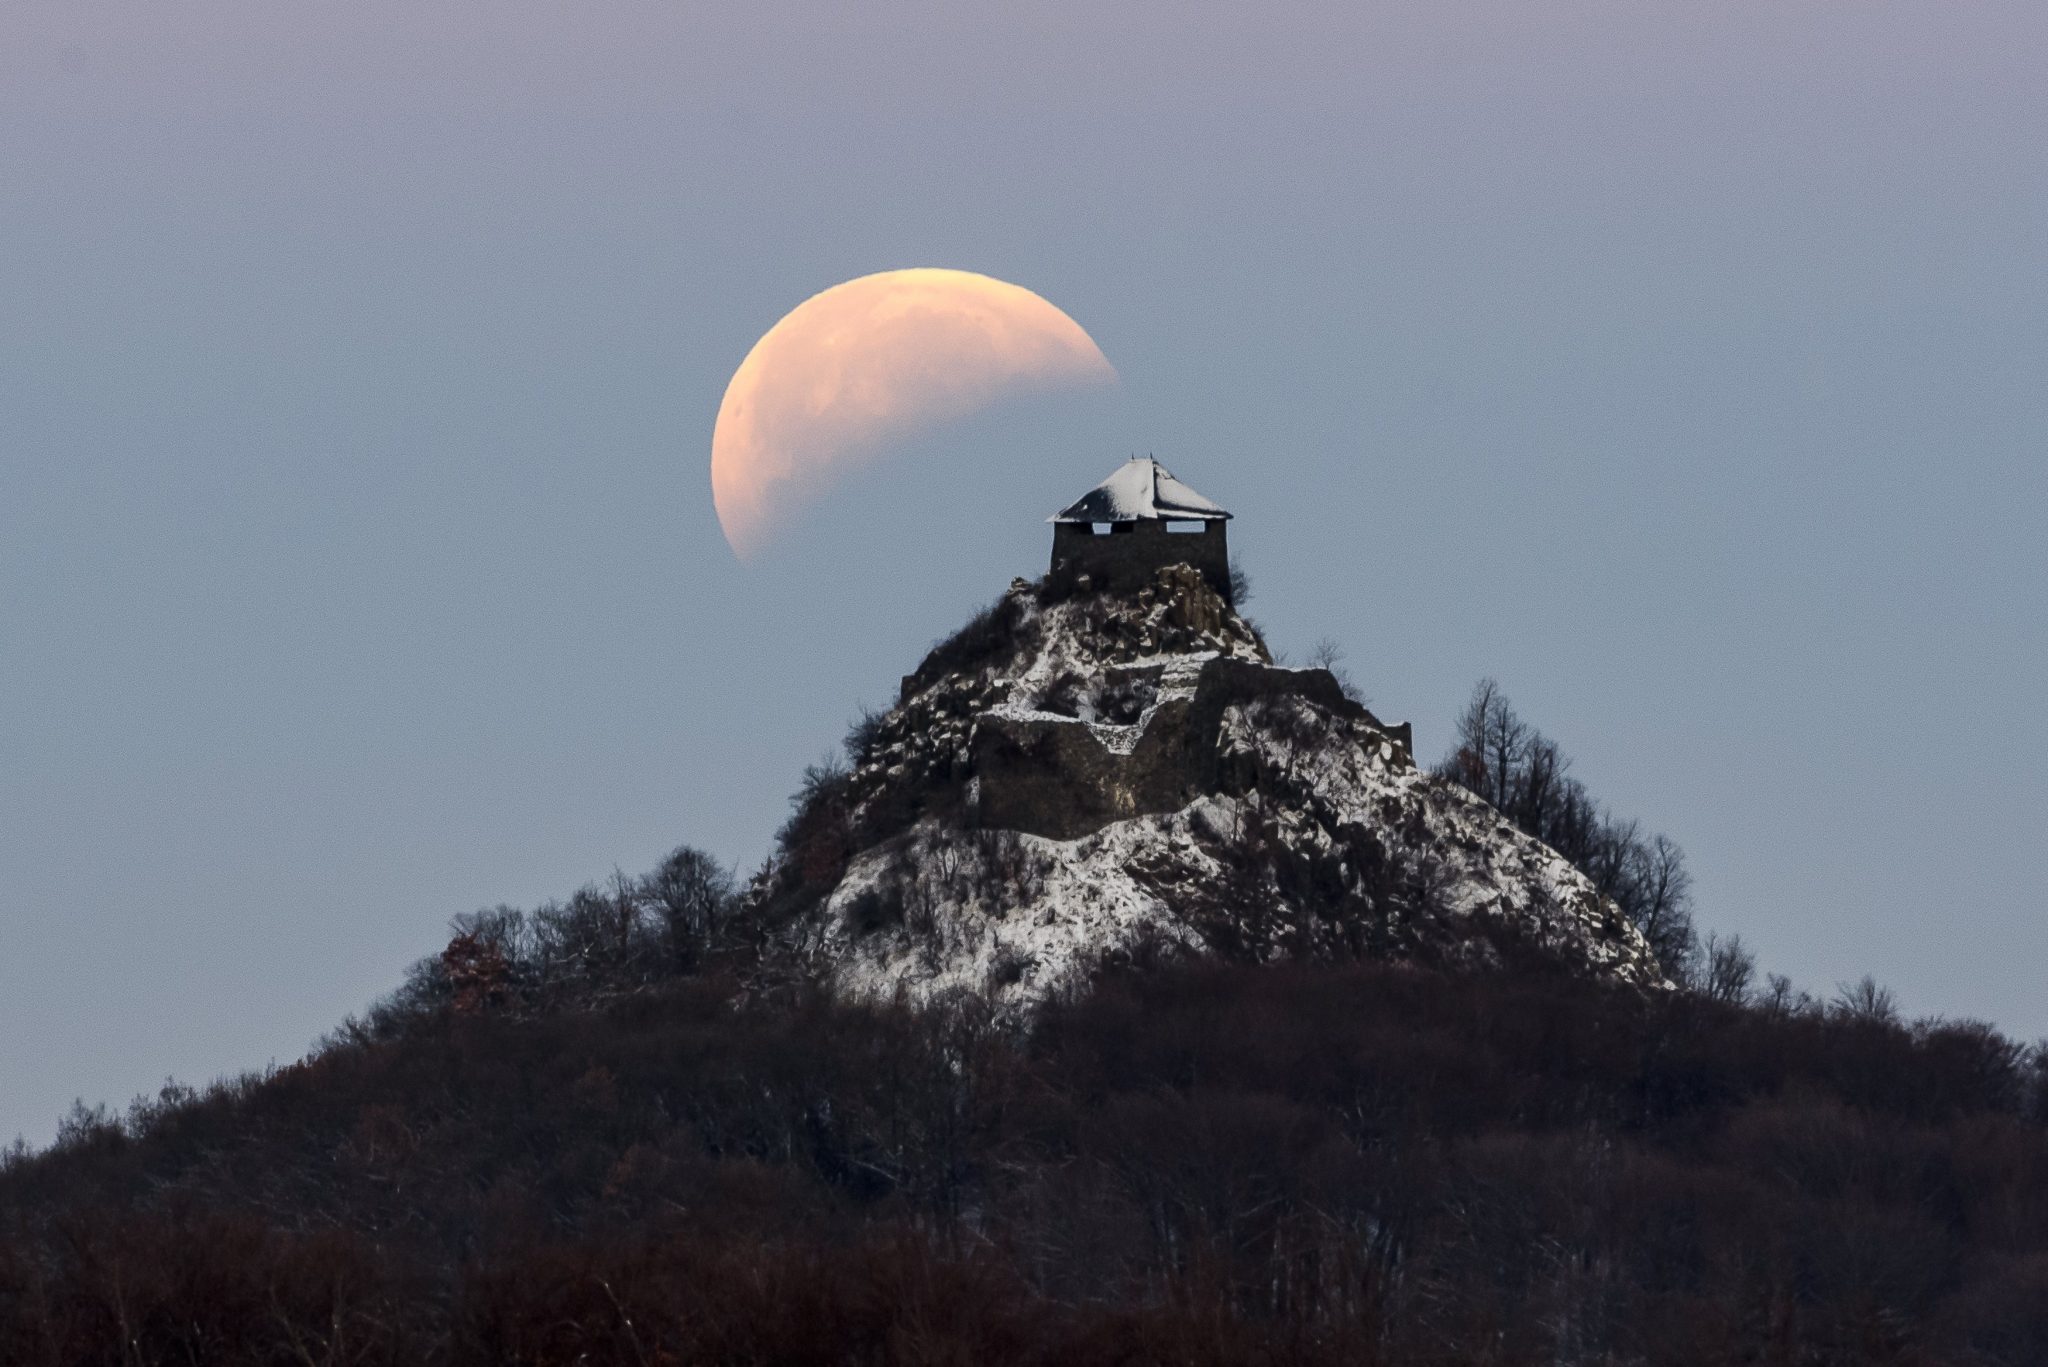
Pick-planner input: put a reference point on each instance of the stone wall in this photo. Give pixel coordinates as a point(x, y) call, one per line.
point(1057, 778)
point(1127, 559)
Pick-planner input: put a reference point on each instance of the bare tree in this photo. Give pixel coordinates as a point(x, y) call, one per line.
point(1726, 970)
point(1327, 655)
point(1864, 999)
point(1493, 748)
point(691, 892)
point(1527, 778)
point(1779, 998)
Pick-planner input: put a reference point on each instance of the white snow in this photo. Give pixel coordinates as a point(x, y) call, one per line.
point(1018, 916)
point(1141, 490)
point(1088, 904)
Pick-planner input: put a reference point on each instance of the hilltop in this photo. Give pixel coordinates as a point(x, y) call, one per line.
point(1081, 776)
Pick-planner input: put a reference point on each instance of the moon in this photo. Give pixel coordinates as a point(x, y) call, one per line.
point(869, 362)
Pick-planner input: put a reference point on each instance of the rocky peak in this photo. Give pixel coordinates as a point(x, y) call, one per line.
point(1079, 775)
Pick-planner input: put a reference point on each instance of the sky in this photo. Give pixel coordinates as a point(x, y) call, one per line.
point(1678, 363)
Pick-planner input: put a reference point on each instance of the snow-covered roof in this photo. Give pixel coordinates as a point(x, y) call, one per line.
point(1142, 490)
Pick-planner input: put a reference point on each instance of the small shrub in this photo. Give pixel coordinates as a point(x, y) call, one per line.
point(1240, 585)
point(1009, 965)
point(862, 735)
point(1064, 695)
point(873, 909)
point(989, 637)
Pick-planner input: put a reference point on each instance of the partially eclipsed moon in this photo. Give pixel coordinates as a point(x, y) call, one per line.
point(870, 361)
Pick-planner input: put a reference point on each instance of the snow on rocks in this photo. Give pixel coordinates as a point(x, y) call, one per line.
point(1066, 779)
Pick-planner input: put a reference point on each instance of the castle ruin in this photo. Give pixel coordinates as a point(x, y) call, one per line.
point(1139, 520)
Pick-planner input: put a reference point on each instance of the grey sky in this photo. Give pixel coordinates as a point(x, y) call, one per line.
point(1679, 364)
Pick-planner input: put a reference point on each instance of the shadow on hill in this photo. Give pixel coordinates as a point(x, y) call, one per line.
point(1197, 1164)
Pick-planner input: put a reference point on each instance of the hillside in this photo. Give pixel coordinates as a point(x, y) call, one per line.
point(1127, 997)
point(1084, 775)
point(1206, 1164)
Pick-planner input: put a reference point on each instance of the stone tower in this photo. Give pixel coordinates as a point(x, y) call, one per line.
point(1141, 518)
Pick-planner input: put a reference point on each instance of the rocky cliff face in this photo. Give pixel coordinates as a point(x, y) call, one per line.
point(1078, 778)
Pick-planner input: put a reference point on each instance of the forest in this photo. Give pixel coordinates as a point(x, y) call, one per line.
point(1201, 1163)
point(599, 1132)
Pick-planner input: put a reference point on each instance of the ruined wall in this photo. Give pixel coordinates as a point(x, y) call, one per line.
point(1057, 778)
point(1128, 559)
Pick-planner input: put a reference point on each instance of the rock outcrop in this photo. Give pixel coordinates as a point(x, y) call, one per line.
point(1078, 777)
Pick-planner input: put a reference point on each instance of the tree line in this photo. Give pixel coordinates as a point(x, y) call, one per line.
point(1194, 1163)
point(1524, 774)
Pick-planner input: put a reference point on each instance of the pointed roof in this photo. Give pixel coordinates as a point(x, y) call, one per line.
point(1142, 490)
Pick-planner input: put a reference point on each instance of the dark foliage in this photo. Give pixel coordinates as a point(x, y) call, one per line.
point(1522, 773)
point(1189, 1164)
point(990, 636)
point(813, 846)
point(625, 936)
point(1327, 654)
point(863, 735)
